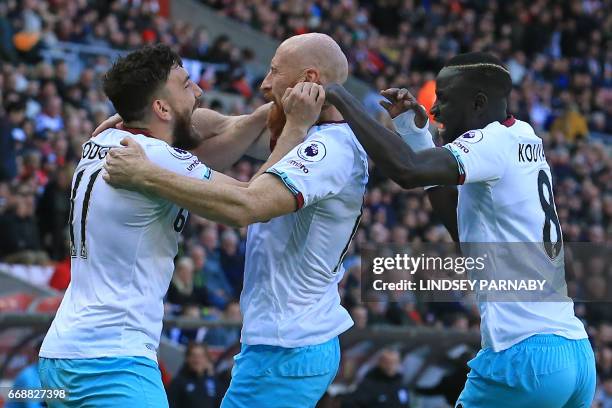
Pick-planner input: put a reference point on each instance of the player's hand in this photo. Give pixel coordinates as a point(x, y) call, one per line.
point(126, 166)
point(114, 121)
point(399, 101)
point(302, 104)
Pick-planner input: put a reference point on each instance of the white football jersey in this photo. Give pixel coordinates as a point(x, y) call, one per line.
point(294, 262)
point(123, 244)
point(506, 196)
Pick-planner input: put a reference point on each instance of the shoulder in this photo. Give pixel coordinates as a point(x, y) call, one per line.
point(340, 132)
point(495, 137)
point(113, 137)
point(335, 136)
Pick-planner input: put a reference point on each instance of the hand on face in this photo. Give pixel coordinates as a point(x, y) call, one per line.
point(125, 167)
point(400, 101)
point(302, 104)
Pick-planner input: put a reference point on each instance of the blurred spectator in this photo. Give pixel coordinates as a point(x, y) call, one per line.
point(51, 116)
point(603, 397)
point(182, 290)
point(226, 336)
point(11, 135)
point(185, 336)
point(572, 124)
point(217, 298)
point(195, 386)
point(19, 235)
point(55, 200)
point(382, 386)
point(232, 260)
point(213, 275)
point(359, 314)
point(453, 381)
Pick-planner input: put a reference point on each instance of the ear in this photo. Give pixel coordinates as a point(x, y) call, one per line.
point(313, 75)
point(162, 110)
point(480, 101)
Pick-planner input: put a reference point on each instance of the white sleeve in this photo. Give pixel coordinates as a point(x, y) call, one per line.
point(417, 138)
point(318, 168)
point(178, 161)
point(481, 156)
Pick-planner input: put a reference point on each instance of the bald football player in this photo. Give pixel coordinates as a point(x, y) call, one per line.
point(302, 210)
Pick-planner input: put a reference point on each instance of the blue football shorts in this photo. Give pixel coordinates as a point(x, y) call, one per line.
point(278, 377)
point(107, 382)
point(542, 371)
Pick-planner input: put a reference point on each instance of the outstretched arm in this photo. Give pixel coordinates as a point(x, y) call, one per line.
point(228, 138)
point(225, 139)
point(399, 162)
point(265, 198)
point(220, 199)
point(411, 122)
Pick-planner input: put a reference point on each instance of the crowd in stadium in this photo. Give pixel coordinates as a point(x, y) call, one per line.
point(557, 53)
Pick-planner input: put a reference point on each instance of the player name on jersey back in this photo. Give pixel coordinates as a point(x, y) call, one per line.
point(94, 151)
point(531, 152)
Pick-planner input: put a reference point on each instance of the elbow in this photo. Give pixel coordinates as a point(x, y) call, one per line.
point(241, 222)
point(243, 216)
point(239, 219)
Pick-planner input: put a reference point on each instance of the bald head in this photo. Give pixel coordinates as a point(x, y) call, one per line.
point(312, 57)
point(317, 51)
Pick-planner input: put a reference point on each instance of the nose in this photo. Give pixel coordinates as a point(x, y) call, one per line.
point(266, 84)
point(197, 91)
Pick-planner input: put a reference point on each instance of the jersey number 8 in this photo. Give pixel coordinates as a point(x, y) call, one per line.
point(550, 217)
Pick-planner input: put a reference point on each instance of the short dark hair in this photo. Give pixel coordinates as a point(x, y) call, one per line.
point(133, 79)
point(484, 69)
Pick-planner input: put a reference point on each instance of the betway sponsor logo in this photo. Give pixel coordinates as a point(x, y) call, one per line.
point(531, 152)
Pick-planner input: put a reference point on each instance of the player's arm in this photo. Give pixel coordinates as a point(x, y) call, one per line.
point(399, 162)
point(266, 197)
point(227, 138)
point(443, 200)
point(222, 199)
point(412, 124)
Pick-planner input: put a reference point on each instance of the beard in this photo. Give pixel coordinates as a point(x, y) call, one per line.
point(183, 134)
point(275, 122)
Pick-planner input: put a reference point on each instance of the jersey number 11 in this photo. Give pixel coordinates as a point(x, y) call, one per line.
point(84, 209)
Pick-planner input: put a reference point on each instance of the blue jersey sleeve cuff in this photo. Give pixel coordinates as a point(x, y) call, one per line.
point(284, 177)
point(460, 165)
